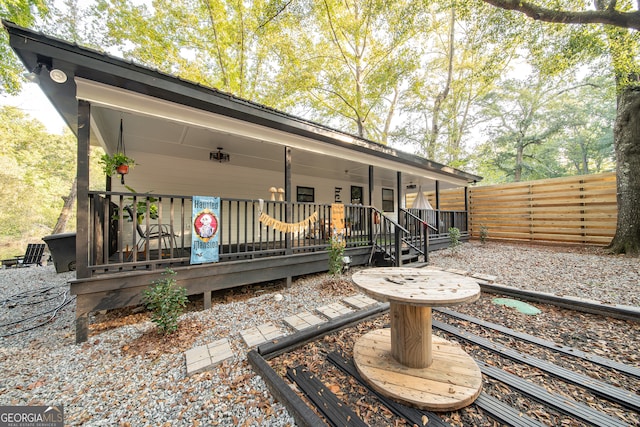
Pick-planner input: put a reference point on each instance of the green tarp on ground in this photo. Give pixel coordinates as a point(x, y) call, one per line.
point(521, 306)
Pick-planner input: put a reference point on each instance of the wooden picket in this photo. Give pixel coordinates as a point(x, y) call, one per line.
point(578, 209)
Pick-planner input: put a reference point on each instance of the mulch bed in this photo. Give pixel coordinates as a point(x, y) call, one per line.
point(590, 333)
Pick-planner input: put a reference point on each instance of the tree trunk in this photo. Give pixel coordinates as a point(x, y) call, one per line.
point(585, 159)
point(65, 214)
point(437, 103)
point(517, 170)
point(626, 135)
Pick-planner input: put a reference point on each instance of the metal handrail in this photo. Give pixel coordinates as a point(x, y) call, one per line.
point(374, 209)
point(411, 214)
point(399, 231)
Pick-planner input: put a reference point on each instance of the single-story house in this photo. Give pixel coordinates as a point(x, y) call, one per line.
point(281, 186)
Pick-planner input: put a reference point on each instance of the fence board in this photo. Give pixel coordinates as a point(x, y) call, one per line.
point(578, 209)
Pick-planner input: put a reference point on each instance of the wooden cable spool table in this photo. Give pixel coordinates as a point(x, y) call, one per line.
point(406, 363)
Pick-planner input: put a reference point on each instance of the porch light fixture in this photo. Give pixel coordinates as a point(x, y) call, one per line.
point(33, 75)
point(56, 75)
point(219, 156)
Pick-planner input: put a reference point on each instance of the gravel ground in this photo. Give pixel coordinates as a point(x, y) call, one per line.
point(586, 272)
point(124, 375)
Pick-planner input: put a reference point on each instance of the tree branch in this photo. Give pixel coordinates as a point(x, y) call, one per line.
point(225, 77)
point(274, 16)
point(337, 41)
point(609, 16)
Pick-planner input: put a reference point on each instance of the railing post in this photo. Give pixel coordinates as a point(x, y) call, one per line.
point(288, 215)
point(398, 246)
point(82, 217)
point(370, 224)
point(466, 210)
point(426, 242)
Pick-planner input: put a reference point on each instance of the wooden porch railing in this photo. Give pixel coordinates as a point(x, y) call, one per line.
point(441, 220)
point(133, 231)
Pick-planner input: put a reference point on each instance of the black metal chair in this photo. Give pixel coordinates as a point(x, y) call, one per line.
point(160, 232)
point(33, 255)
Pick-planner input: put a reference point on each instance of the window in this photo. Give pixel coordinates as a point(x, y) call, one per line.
point(356, 195)
point(305, 194)
point(387, 200)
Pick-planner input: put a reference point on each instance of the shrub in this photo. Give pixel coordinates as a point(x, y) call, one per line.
point(336, 252)
point(166, 302)
point(454, 238)
point(484, 233)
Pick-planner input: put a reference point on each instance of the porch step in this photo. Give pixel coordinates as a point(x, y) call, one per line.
point(383, 259)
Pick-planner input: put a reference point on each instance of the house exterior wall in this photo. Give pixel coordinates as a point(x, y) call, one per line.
point(170, 175)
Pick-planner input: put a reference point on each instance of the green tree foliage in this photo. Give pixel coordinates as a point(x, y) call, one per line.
point(229, 45)
point(586, 139)
point(75, 21)
point(547, 129)
point(440, 107)
point(20, 12)
point(523, 120)
point(355, 57)
point(36, 171)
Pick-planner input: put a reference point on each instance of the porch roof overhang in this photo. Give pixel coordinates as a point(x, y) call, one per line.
point(181, 118)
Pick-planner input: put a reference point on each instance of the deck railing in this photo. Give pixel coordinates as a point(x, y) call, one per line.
point(442, 220)
point(133, 231)
point(409, 237)
point(388, 236)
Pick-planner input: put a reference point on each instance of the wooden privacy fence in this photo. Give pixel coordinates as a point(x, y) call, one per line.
point(578, 209)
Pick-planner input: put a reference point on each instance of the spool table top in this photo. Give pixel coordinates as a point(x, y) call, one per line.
point(417, 286)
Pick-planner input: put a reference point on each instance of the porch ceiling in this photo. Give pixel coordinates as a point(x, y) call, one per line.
point(177, 139)
point(163, 127)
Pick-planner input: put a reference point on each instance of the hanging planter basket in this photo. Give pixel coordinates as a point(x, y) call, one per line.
point(117, 163)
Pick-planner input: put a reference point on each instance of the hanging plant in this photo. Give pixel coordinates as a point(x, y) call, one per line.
point(117, 163)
